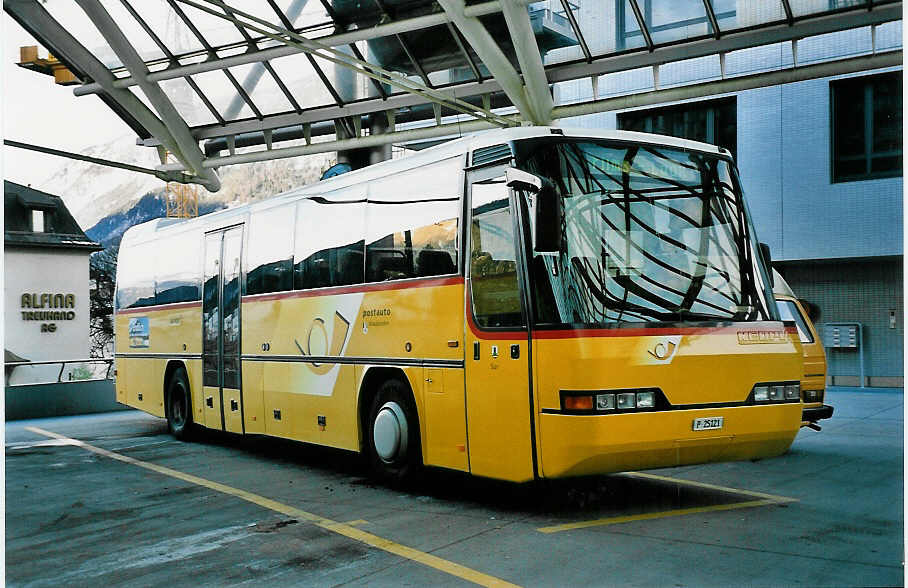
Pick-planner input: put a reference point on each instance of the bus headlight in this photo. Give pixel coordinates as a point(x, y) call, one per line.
point(777, 392)
point(605, 402)
point(646, 400)
point(765, 392)
point(813, 395)
point(626, 400)
point(761, 393)
point(792, 391)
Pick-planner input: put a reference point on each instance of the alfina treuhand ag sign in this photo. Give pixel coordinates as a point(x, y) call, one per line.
point(48, 309)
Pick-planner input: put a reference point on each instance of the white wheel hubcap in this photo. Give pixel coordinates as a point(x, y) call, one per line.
point(389, 432)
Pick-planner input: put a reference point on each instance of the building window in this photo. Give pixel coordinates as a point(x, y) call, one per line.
point(670, 21)
point(867, 127)
point(836, 4)
point(37, 221)
point(710, 121)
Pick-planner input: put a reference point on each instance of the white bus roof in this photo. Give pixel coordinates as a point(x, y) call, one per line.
point(453, 148)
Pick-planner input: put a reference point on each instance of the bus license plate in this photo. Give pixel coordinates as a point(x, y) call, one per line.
point(708, 423)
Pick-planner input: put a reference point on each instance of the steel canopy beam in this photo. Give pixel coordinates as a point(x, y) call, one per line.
point(40, 21)
point(735, 84)
point(374, 72)
point(191, 153)
point(704, 89)
point(96, 160)
point(536, 88)
point(337, 40)
point(166, 51)
point(731, 41)
point(492, 56)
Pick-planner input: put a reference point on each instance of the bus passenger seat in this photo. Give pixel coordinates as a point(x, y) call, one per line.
point(392, 267)
point(434, 262)
point(350, 267)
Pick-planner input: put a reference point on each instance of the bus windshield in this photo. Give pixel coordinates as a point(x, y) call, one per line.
point(648, 234)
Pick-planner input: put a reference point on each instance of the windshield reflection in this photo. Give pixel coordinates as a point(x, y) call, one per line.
point(650, 234)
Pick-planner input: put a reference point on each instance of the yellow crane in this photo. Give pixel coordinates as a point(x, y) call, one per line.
point(182, 199)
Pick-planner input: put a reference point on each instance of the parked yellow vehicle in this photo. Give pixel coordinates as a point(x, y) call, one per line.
point(813, 381)
point(519, 304)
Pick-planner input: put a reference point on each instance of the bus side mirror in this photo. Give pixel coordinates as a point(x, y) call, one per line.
point(547, 212)
point(812, 310)
point(521, 180)
point(767, 259)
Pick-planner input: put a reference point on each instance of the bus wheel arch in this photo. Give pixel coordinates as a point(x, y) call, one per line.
point(389, 421)
point(178, 400)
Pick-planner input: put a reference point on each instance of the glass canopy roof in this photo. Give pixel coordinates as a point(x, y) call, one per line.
point(234, 67)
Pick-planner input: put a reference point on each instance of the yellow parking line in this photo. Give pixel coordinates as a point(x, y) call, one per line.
point(652, 515)
point(711, 486)
point(764, 500)
point(344, 529)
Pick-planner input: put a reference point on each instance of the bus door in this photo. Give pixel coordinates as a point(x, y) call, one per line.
point(499, 396)
point(221, 385)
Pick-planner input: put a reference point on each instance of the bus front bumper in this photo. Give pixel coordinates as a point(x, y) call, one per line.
point(815, 413)
point(574, 445)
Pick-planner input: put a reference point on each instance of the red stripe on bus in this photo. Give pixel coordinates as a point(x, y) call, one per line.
point(621, 331)
point(157, 307)
point(382, 286)
point(655, 331)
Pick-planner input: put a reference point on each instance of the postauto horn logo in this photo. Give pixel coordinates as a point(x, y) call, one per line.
point(663, 351)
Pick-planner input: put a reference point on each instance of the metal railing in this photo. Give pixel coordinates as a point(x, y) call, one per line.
point(93, 375)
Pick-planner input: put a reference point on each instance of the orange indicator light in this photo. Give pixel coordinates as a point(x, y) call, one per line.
point(578, 403)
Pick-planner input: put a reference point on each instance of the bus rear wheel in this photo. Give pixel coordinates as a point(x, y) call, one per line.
point(179, 406)
point(392, 435)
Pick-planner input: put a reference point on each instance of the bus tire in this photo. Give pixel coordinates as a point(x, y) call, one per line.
point(392, 433)
point(179, 405)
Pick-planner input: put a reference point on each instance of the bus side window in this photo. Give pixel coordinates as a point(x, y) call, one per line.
point(177, 277)
point(339, 225)
point(789, 312)
point(269, 260)
point(135, 276)
point(412, 223)
point(495, 288)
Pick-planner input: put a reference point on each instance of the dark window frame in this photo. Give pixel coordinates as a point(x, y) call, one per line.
point(713, 104)
point(867, 81)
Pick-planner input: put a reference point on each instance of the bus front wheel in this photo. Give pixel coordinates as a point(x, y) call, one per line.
point(392, 438)
point(179, 406)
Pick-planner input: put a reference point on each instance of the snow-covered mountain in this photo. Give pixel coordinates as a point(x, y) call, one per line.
point(92, 192)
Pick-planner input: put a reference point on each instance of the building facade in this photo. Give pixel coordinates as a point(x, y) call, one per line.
point(46, 282)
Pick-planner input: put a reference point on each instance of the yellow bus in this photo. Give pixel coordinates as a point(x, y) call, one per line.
point(518, 304)
point(813, 376)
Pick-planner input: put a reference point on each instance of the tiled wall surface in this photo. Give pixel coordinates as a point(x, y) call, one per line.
point(784, 158)
point(857, 292)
